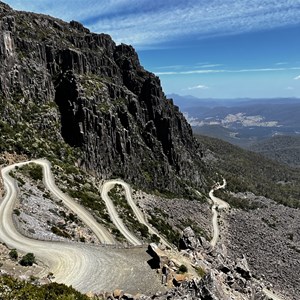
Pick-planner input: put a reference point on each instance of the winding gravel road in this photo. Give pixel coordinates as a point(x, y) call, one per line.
point(85, 267)
point(221, 204)
point(102, 234)
point(217, 204)
point(106, 187)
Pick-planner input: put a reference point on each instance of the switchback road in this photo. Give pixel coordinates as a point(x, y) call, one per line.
point(106, 187)
point(85, 267)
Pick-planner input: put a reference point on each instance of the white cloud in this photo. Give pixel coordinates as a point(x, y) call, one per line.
point(189, 72)
point(199, 86)
point(171, 67)
point(228, 71)
point(143, 23)
point(211, 65)
point(290, 88)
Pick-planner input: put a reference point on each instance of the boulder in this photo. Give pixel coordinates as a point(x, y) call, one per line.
point(242, 268)
point(118, 294)
point(160, 258)
point(210, 288)
point(127, 296)
point(188, 239)
point(205, 244)
point(178, 279)
point(90, 294)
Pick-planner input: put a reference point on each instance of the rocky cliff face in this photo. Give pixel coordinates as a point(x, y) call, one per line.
point(61, 84)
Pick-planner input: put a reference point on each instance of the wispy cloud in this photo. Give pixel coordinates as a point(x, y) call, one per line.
point(145, 22)
point(198, 87)
point(228, 71)
point(198, 68)
point(211, 66)
point(189, 72)
point(281, 63)
point(290, 88)
point(208, 65)
point(171, 67)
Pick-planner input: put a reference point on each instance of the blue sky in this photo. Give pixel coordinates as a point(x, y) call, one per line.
point(205, 48)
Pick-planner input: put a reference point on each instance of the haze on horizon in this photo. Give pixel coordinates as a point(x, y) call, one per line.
point(208, 49)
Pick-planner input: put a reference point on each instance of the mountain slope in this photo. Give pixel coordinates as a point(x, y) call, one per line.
point(247, 171)
point(71, 94)
point(285, 149)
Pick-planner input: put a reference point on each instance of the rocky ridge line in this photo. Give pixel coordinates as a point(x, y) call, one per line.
point(60, 83)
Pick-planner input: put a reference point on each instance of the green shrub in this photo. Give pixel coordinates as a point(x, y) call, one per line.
point(143, 229)
point(32, 170)
point(60, 232)
point(11, 288)
point(13, 254)
point(17, 212)
point(21, 181)
point(28, 259)
point(182, 269)
point(165, 228)
point(201, 272)
point(155, 238)
point(36, 172)
point(72, 217)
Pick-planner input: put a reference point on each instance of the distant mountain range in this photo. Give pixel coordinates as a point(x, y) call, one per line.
point(189, 101)
point(241, 121)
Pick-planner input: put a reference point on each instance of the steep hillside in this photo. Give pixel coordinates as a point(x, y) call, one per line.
point(71, 94)
point(247, 171)
point(285, 149)
point(222, 133)
point(262, 229)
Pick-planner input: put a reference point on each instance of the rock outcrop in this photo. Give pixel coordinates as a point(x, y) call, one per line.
point(59, 82)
